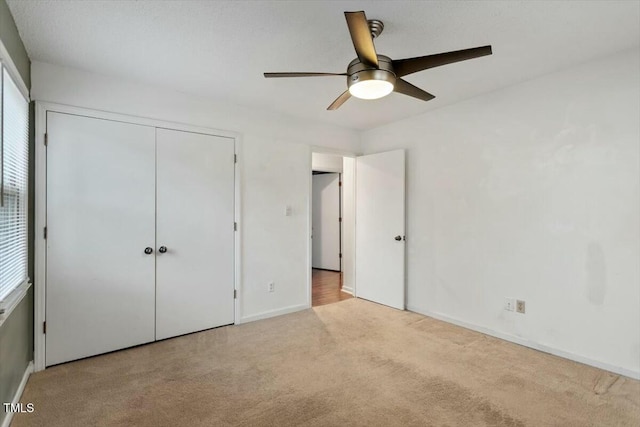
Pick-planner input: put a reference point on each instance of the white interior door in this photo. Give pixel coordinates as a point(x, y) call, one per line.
point(100, 218)
point(380, 228)
point(195, 216)
point(326, 221)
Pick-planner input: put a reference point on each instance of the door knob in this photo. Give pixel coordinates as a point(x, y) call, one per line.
point(398, 238)
point(162, 249)
point(148, 250)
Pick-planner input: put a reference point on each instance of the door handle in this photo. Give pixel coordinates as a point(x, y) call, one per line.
point(148, 250)
point(398, 238)
point(162, 249)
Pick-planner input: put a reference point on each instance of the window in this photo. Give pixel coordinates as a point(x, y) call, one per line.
point(14, 161)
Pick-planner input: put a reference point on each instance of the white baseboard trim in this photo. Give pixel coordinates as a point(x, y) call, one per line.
point(347, 289)
point(18, 395)
point(531, 344)
point(273, 313)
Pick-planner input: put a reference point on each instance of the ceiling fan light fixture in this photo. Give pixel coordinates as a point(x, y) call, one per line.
point(373, 76)
point(371, 84)
point(371, 89)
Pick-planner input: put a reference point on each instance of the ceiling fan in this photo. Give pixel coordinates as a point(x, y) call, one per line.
point(373, 76)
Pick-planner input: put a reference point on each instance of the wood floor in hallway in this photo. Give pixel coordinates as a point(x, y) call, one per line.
point(326, 288)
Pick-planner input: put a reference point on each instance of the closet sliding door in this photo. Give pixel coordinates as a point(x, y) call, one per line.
point(100, 292)
point(195, 234)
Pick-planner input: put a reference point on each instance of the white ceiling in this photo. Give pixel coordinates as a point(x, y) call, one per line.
point(220, 49)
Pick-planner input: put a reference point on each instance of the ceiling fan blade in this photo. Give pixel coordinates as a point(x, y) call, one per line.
point(406, 88)
point(340, 100)
point(361, 37)
point(269, 75)
point(403, 67)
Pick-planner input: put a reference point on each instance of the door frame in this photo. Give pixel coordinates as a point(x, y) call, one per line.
point(313, 173)
point(40, 220)
point(335, 152)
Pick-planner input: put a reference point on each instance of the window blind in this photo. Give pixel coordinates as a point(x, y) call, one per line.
point(14, 154)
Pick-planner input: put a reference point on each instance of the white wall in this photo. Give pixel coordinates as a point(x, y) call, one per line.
point(324, 162)
point(348, 224)
point(275, 168)
point(531, 192)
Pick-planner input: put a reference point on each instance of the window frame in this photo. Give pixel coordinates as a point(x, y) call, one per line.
point(10, 299)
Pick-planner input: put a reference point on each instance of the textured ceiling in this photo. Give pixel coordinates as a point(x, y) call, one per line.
point(219, 49)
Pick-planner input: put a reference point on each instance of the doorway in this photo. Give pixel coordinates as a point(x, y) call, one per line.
point(376, 228)
point(332, 228)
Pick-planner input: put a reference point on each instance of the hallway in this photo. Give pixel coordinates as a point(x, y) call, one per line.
point(326, 288)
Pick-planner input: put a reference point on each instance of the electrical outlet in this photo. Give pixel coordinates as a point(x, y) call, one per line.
point(271, 287)
point(520, 306)
point(509, 304)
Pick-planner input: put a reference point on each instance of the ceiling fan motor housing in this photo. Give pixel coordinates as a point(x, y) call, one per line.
point(357, 71)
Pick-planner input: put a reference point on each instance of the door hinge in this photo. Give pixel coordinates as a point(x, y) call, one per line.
point(44, 327)
point(46, 139)
point(45, 232)
point(339, 183)
point(235, 226)
point(235, 294)
point(339, 255)
point(235, 158)
point(340, 219)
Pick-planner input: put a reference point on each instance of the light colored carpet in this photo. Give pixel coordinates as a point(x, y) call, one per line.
point(353, 363)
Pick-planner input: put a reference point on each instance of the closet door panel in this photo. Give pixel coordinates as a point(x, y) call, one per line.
point(100, 288)
point(195, 214)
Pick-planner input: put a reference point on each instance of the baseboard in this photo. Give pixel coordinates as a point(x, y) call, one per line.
point(273, 313)
point(18, 395)
point(326, 269)
point(531, 344)
point(347, 289)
